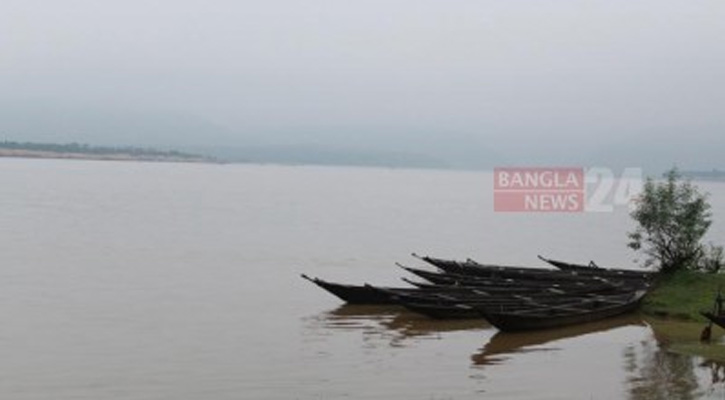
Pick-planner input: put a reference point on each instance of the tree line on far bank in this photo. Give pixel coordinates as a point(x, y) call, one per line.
point(80, 148)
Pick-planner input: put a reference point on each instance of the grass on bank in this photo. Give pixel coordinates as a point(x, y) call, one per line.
point(683, 337)
point(683, 294)
point(709, 351)
point(680, 297)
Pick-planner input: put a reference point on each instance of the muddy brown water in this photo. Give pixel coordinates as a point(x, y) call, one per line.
point(175, 281)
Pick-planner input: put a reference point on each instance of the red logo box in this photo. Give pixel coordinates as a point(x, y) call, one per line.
point(539, 189)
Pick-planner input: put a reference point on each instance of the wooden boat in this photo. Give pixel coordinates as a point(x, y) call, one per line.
point(506, 279)
point(484, 271)
point(565, 314)
point(464, 310)
point(717, 319)
point(476, 269)
point(368, 294)
point(425, 285)
point(438, 262)
point(480, 287)
point(449, 279)
point(716, 316)
point(473, 268)
point(595, 269)
point(444, 278)
point(445, 296)
point(467, 295)
point(450, 307)
point(353, 294)
point(565, 266)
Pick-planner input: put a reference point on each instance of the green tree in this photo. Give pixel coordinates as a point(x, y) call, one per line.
point(673, 217)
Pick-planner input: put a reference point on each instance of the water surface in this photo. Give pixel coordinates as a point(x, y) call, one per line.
point(181, 281)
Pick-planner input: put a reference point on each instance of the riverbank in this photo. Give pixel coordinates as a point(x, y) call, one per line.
point(683, 295)
point(679, 298)
point(683, 337)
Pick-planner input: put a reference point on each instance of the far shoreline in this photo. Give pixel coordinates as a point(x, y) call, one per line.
point(204, 159)
point(51, 155)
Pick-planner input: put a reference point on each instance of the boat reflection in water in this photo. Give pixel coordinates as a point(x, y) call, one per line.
point(620, 357)
point(394, 324)
point(356, 316)
point(502, 344)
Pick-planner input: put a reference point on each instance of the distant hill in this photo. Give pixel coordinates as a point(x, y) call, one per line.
point(375, 144)
point(40, 121)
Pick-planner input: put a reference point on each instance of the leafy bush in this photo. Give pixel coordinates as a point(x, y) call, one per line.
point(673, 217)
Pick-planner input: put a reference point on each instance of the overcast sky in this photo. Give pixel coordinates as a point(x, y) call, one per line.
point(518, 77)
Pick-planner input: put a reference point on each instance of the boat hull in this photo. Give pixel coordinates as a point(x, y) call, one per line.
point(554, 317)
point(353, 294)
point(718, 320)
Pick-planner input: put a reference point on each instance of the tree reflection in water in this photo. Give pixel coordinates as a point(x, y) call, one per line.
point(717, 370)
point(656, 372)
point(652, 370)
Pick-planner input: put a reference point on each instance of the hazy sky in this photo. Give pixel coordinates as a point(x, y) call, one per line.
point(596, 78)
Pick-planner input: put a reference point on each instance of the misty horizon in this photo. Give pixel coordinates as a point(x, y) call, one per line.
point(462, 85)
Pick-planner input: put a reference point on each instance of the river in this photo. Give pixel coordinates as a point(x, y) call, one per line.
point(132, 280)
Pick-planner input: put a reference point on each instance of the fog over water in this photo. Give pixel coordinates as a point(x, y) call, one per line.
point(470, 84)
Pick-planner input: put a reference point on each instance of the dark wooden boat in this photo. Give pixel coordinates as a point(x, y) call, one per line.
point(368, 294)
point(438, 262)
point(353, 294)
point(472, 307)
point(562, 265)
point(464, 310)
point(594, 269)
point(481, 287)
point(445, 278)
point(717, 319)
point(523, 290)
point(424, 285)
point(485, 271)
point(473, 268)
point(443, 311)
point(716, 316)
point(452, 305)
point(445, 296)
point(465, 295)
point(451, 279)
point(565, 314)
point(506, 279)
point(476, 269)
